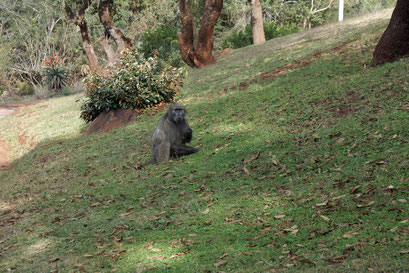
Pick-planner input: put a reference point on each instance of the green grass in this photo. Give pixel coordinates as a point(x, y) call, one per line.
point(308, 172)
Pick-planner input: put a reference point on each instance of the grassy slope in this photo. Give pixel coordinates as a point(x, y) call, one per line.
point(293, 174)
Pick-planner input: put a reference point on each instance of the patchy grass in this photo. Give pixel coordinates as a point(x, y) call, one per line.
point(304, 172)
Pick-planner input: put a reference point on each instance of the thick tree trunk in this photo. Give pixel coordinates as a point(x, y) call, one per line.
point(257, 22)
point(120, 39)
point(394, 43)
point(201, 55)
point(109, 51)
point(186, 36)
point(79, 20)
point(88, 48)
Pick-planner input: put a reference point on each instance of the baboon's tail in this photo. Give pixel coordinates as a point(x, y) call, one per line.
point(149, 162)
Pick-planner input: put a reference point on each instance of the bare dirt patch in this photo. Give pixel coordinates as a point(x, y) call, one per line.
point(4, 157)
point(25, 140)
point(4, 150)
point(270, 76)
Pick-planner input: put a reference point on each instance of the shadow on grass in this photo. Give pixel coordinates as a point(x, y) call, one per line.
point(83, 204)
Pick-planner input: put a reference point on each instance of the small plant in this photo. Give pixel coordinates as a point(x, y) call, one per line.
point(24, 89)
point(56, 76)
point(137, 84)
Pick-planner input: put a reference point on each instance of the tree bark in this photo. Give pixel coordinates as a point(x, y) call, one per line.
point(87, 47)
point(394, 42)
point(109, 51)
point(186, 36)
point(201, 55)
point(257, 22)
point(120, 39)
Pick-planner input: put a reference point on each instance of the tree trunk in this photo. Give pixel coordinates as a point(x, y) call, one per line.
point(109, 51)
point(201, 55)
point(186, 36)
point(87, 47)
point(257, 22)
point(120, 39)
point(394, 42)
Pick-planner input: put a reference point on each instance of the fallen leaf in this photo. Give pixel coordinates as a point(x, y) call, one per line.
point(370, 203)
point(354, 190)
point(279, 216)
point(246, 171)
point(156, 250)
point(125, 214)
point(325, 218)
point(292, 230)
point(53, 260)
point(206, 211)
point(276, 162)
point(223, 256)
point(338, 259)
point(220, 264)
point(393, 229)
point(350, 234)
point(307, 261)
point(161, 257)
point(340, 140)
point(322, 204)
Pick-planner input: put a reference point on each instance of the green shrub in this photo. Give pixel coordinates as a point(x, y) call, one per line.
point(164, 40)
point(240, 38)
point(24, 89)
point(137, 84)
point(55, 75)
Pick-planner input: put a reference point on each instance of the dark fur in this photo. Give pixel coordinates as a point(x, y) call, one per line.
point(171, 135)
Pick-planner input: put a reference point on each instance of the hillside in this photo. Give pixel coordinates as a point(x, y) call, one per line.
point(303, 167)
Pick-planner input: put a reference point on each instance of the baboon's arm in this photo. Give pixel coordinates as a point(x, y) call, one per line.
point(181, 149)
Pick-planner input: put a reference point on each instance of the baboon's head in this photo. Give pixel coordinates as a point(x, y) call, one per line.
point(176, 113)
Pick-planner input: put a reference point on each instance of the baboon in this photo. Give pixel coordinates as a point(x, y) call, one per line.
point(171, 135)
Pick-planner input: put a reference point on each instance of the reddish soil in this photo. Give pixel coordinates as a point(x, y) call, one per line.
point(4, 157)
point(108, 121)
point(270, 76)
point(25, 140)
point(4, 151)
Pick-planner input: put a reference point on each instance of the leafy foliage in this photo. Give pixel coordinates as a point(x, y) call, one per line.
point(24, 88)
point(56, 76)
point(240, 38)
point(164, 40)
point(137, 84)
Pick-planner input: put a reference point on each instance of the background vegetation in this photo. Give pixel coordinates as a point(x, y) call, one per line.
point(32, 30)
